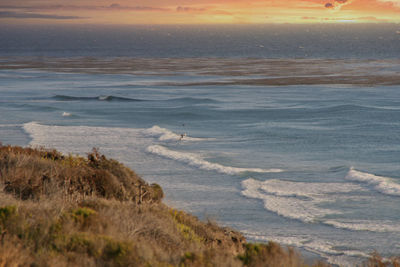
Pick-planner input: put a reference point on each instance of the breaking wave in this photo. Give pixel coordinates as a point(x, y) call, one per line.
point(196, 161)
point(164, 134)
point(384, 185)
point(327, 249)
point(305, 202)
point(295, 200)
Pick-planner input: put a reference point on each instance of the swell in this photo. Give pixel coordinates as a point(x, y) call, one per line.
point(95, 98)
point(193, 100)
point(185, 100)
point(301, 112)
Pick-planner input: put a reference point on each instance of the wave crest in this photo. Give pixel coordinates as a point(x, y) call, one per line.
point(305, 202)
point(95, 98)
point(194, 160)
point(166, 135)
point(384, 185)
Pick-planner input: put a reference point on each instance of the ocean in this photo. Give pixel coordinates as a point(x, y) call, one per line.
point(289, 133)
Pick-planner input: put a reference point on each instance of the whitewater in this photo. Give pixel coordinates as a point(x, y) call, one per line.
point(311, 166)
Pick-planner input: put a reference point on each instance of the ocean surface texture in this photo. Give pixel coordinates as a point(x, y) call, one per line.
point(285, 138)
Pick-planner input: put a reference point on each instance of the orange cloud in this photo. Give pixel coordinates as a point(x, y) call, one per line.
point(337, 4)
point(190, 9)
point(205, 11)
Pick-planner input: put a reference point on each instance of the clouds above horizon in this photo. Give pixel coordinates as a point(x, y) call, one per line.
point(201, 11)
point(113, 6)
point(20, 15)
point(337, 4)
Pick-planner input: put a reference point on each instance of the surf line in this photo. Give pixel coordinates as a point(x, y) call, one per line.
point(196, 161)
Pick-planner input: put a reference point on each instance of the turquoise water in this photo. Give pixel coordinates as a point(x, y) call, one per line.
point(312, 166)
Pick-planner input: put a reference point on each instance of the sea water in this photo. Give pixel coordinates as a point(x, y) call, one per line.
point(311, 166)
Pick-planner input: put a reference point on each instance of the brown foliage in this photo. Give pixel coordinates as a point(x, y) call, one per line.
point(34, 173)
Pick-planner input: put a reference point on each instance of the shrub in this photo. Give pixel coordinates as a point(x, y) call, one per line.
point(6, 212)
point(36, 173)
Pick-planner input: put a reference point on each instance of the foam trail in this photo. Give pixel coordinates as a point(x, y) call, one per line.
point(301, 201)
point(384, 185)
point(309, 190)
point(194, 160)
point(66, 114)
point(166, 135)
point(325, 249)
point(284, 204)
point(363, 225)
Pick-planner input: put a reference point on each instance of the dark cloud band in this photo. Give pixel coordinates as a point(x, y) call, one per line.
point(19, 15)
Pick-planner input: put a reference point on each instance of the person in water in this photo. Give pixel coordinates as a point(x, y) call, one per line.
point(182, 136)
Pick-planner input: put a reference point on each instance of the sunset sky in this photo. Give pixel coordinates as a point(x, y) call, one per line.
point(198, 12)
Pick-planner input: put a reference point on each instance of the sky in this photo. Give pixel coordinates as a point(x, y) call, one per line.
point(198, 12)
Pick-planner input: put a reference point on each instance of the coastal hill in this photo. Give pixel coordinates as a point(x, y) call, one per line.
point(58, 210)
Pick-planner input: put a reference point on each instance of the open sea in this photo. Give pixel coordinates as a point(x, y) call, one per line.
point(286, 133)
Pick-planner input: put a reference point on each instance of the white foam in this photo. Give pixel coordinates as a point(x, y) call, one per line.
point(166, 135)
point(116, 142)
point(119, 143)
point(280, 197)
point(312, 190)
point(364, 225)
point(325, 249)
point(196, 161)
point(384, 185)
point(302, 201)
point(66, 114)
point(103, 97)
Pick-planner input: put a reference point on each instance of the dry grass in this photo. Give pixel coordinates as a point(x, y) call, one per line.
point(58, 210)
point(34, 173)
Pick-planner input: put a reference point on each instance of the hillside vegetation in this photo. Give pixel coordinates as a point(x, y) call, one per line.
point(58, 210)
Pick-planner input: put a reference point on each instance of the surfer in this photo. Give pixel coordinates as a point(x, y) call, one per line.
point(182, 136)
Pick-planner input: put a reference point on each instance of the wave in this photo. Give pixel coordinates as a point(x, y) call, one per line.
point(196, 161)
point(347, 108)
point(188, 100)
point(10, 125)
point(66, 114)
point(166, 135)
point(95, 98)
point(284, 197)
point(326, 249)
point(301, 189)
point(303, 201)
point(121, 141)
point(364, 225)
point(384, 185)
point(194, 100)
point(338, 169)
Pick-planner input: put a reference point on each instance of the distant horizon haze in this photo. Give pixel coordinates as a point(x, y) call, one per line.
point(336, 41)
point(199, 12)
